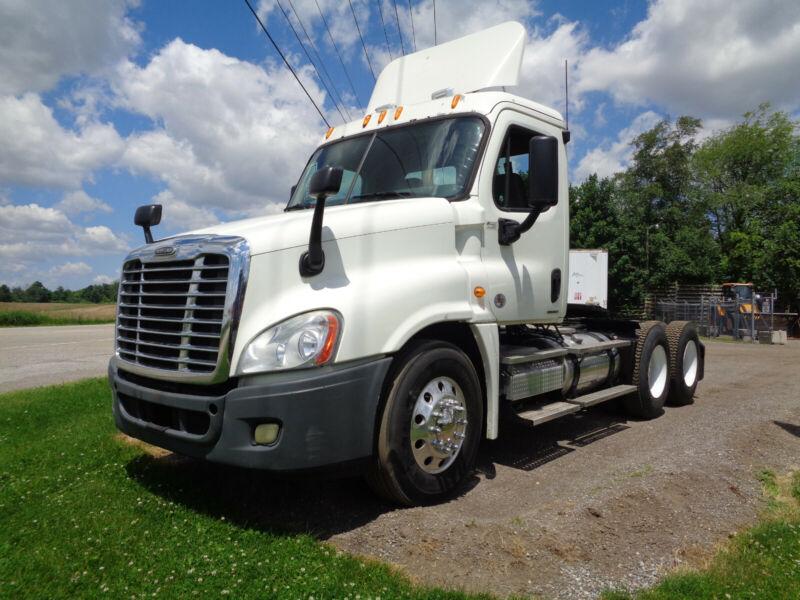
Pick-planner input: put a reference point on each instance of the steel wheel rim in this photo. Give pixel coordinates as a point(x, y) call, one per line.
point(438, 425)
point(657, 371)
point(690, 363)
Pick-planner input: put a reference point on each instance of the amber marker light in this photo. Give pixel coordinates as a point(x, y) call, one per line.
point(330, 341)
point(479, 292)
point(456, 99)
point(381, 117)
point(365, 122)
point(397, 112)
point(329, 133)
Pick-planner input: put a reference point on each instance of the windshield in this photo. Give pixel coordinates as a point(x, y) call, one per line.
point(434, 158)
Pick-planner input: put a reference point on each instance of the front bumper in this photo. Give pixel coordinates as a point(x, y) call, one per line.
point(327, 416)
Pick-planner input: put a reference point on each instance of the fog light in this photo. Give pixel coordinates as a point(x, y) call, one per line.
point(266, 433)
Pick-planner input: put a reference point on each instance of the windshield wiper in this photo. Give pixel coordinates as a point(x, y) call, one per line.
point(382, 195)
point(296, 207)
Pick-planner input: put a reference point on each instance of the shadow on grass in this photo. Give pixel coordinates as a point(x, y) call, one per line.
point(260, 500)
point(324, 507)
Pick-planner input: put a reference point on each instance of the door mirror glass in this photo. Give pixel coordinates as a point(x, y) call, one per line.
point(543, 174)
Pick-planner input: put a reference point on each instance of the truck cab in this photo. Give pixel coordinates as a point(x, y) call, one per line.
point(413, 289)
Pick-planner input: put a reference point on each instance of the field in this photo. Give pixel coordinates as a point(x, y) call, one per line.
point(20, 314)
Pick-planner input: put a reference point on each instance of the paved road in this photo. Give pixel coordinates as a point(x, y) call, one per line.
point(34, 356)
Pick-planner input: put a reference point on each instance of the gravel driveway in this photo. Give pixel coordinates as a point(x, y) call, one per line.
point(568, 508)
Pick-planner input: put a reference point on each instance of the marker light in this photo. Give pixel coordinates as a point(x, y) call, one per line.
point(303, 341)
point(328, 133)
point(397, 112)
point(381, 117)
point(456, 99)
point(365, 122)
point(479, 292)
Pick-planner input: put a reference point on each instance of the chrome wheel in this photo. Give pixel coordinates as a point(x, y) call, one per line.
point(690, 362)
point(657, 371)
point(438, 425)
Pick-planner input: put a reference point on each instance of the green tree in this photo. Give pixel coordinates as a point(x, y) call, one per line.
point(748, 178)
point(5, 293)
point(37, 292)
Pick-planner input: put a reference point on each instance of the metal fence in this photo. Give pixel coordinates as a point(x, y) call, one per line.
point(715, 316)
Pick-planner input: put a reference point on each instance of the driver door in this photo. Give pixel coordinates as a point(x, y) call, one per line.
point(528, 278)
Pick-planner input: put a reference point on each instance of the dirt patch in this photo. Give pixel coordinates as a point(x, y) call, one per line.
point(148, 449)
point(593, 501)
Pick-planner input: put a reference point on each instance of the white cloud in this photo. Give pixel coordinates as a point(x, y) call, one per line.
point(102, 279)
point(43, 40)
point(35, 150)
point(79, 201)
point(716, 58)
point(613, 157)
point(233, 135)
point(180, 216)
point(70, 269)
point(31, 235)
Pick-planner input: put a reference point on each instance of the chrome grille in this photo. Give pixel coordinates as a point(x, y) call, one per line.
point(175, 312)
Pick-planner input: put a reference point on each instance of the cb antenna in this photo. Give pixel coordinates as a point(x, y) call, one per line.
point(565, 135)
point(566, 93)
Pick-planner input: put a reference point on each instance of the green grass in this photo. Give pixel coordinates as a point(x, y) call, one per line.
point(22, 318)
point(762, 562)
point(83, 514)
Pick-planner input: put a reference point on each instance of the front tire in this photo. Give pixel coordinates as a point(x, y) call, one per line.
point(430, 427)
point(650, 371)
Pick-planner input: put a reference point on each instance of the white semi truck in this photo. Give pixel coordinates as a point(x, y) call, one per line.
point(413, 290)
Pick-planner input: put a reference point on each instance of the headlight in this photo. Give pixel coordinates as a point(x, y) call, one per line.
point(303, 341)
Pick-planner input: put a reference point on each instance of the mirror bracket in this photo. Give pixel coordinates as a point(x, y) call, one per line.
point(509, 231)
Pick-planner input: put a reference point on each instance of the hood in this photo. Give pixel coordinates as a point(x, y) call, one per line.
point(291, 229)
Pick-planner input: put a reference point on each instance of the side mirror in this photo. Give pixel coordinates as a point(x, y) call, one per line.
point(325, 182)
point(146, 217)
point(543, 178)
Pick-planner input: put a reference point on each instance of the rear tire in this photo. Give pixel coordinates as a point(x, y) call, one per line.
point(430, 428)
point(685, 357)
point(650, 371)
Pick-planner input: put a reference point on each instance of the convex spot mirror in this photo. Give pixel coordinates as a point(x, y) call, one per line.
point(147, 215)
point(543, 178)
point(325, 182)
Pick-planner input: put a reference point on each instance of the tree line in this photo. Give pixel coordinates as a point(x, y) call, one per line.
point(703, 211)
point(37, 292)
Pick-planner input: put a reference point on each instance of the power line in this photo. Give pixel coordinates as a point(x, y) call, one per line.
point(434, 22)
point(383, 23)
point(286, 62)
point(285, 16)
point(339, 54)
point(399, 33)
point(413, 33)
point(363, 45)
point(319, 59)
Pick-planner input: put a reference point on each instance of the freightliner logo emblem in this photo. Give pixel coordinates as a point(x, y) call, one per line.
point(165, 251)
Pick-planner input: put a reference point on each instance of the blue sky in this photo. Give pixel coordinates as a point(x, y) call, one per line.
point(105, 105)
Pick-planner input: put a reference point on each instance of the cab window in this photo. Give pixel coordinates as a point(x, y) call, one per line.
point(510, 181)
